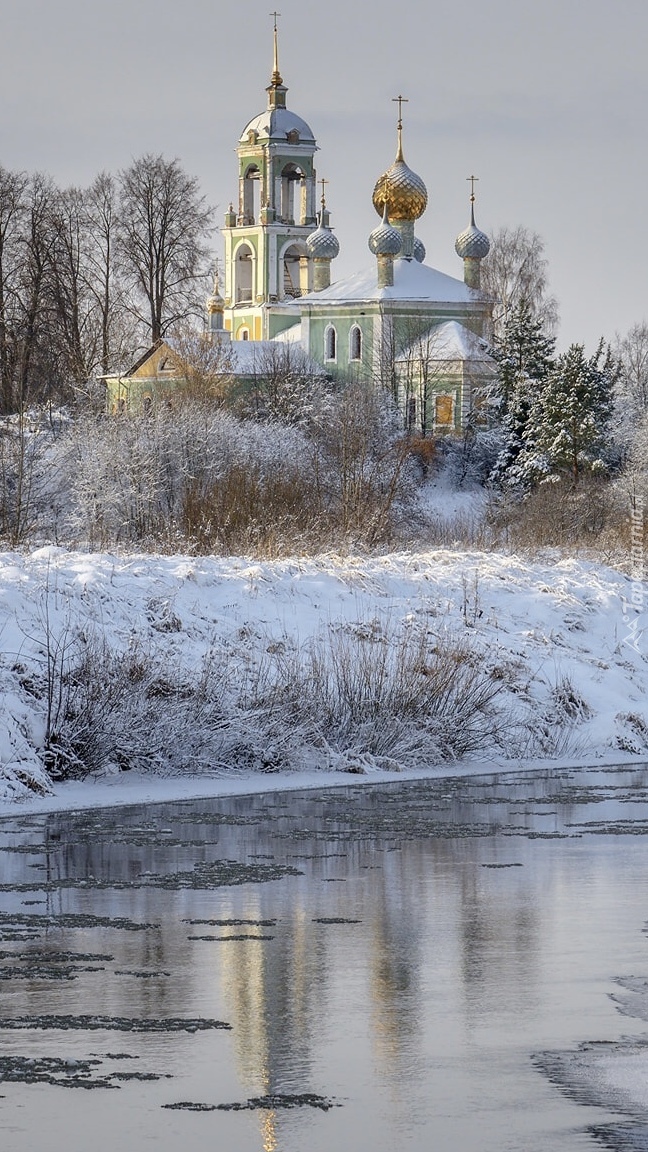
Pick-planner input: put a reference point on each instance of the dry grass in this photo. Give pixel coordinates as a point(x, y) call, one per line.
point(394, 695)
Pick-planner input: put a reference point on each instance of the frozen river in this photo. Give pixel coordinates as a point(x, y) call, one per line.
point(451, 965)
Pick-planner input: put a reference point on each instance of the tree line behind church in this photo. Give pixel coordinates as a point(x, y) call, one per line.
point(90, 277)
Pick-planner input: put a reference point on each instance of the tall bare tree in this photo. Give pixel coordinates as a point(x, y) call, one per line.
point(72, 300)
point(164, 225)
point(13, 210)
point(36, 243)
point(118, 339)
point(516, 275)
point(632, 353)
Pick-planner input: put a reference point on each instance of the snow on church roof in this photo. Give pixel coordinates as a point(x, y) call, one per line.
point(275, 124)
point(252, 357)
point(412, 281)
point(450, 341)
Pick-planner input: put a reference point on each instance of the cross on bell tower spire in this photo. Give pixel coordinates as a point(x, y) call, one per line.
point(276, 74)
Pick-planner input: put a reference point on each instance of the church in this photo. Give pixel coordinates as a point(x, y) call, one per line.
point(398, 323)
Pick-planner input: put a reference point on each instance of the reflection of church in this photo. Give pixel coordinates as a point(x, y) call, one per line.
point(399, 321)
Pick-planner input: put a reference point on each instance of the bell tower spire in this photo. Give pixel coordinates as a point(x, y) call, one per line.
point(276, 75)
point(276, 89)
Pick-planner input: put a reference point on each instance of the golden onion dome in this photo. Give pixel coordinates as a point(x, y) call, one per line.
point(400, 189)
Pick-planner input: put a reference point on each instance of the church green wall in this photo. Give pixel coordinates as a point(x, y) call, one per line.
point(130, 393)
point(280, 323)
point(343, 321)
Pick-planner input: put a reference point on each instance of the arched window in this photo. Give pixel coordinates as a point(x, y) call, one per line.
point(243, 334)
point(330, 343)
point(147, 405)
point(355, 343)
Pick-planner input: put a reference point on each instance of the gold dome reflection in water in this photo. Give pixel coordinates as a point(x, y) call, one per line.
point(269, 1132)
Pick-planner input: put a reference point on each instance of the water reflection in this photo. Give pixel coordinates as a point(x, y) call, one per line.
point(400, 950)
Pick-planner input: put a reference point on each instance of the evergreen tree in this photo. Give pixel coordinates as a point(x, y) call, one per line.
point(567, 431)
point(524, 350)
point(525, 358)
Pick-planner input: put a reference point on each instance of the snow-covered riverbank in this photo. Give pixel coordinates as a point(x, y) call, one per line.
point(564, 639)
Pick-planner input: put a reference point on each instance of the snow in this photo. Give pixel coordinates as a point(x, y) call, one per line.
point(452, 341)
point(275, 124)
point(554, 626)
point(250, 357)
point(412, 281)
point(292, 335)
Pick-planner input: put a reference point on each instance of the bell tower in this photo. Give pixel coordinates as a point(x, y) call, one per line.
point(267, 262)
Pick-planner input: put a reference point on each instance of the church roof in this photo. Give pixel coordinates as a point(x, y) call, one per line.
point(275, 124)
point(412, 281)
point(237, 357)
point(450, 341)
point(250, 357)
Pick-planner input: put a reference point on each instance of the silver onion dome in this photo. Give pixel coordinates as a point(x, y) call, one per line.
point(215, 302)
point(322, 244)
point(419, 250)
point(385, 240)
point(473, 244)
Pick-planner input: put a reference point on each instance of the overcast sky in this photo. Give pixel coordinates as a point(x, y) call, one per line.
point(546, 102)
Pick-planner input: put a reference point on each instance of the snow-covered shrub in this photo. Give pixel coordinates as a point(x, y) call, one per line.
point(122, 710)
point(364, 471)
point(470, 458)
point(30, 478)
point(397, 694)
point(200, 478)
point(558, 515)
point(632, 733)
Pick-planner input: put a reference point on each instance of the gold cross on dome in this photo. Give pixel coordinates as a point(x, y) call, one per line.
point(275, 15)
point(324, 182)
point(473, 180)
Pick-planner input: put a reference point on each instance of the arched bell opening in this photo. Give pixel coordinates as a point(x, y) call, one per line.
point(243, 274)
point(251, 195)
point(293, 194)
point(296, 272)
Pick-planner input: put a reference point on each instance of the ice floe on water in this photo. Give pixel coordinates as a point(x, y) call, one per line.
point(610, 1074)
